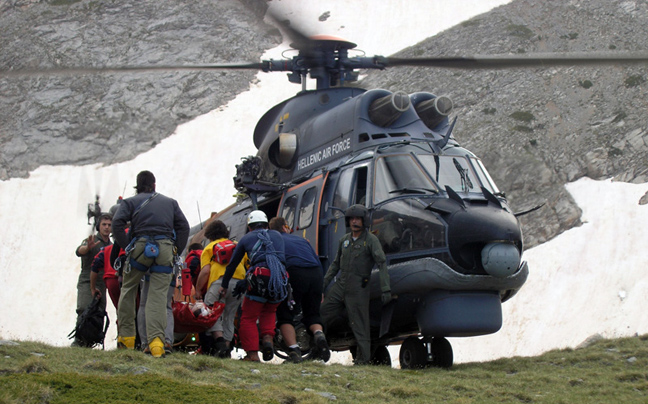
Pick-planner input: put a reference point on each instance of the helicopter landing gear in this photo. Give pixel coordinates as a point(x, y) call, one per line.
point(413, 354)
point(381, 357)
point(441, 352)
point(416, 353)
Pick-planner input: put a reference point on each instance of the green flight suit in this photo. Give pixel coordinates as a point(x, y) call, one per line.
point(354, 261)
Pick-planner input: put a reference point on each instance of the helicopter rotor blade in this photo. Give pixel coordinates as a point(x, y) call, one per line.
point(513, 61)
point(63, 71)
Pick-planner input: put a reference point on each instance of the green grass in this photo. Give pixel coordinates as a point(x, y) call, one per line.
point(608, 371)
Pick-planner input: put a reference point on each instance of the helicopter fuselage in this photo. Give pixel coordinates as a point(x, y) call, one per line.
point(452, 243)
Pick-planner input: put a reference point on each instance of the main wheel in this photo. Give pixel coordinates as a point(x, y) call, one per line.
point(441, 353)
point(413, 354)
point(381, 357)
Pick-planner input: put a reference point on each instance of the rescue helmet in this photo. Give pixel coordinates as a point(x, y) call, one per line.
point(257, 216)
point(357, 210)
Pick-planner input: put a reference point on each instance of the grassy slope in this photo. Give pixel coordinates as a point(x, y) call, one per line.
point(608, 371)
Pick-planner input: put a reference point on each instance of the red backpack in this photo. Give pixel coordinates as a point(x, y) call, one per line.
point(223, 251)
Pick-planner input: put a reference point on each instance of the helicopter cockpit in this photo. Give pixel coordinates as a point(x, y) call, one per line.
point(404, 184)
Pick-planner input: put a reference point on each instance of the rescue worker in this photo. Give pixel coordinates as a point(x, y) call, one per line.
point(158, 229)
point(220, 335)
point(267, 285)
point(306, 277)
point(102, 262)
point(87, 251)
point(357, 254)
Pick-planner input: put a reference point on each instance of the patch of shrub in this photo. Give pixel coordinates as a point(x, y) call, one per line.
point(523, 116)
point(520, 31)
point(634, 81)
point(585, 83)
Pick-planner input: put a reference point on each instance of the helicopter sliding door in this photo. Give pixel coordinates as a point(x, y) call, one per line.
point(300, 206)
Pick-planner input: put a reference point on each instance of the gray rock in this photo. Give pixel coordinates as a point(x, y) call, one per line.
point(109, 118)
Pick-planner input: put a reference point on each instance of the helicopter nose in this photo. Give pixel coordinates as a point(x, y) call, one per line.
point(500, 259)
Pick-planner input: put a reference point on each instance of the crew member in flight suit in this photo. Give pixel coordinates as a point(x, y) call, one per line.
point(357, 254)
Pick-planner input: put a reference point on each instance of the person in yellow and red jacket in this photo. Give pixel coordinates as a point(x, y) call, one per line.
point(217, 340)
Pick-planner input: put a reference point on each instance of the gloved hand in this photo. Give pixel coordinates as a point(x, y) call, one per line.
point(240, 288)
point(386, 297)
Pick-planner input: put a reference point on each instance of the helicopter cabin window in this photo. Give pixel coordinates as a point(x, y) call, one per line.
point(307, 208)
point(452, 171)
point(399, 174)
point(289, 209)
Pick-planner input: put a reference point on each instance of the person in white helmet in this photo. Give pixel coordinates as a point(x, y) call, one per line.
point(266, 285)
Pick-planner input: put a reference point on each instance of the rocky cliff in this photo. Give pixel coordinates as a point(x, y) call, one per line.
point(535, 129)
point(109, 118)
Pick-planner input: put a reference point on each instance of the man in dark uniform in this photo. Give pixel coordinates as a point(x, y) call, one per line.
point(158, 230)
point(87, 251)
point(306, 277)
point(357, 254)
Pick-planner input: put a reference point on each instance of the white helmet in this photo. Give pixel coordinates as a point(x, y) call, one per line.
point(257, 216)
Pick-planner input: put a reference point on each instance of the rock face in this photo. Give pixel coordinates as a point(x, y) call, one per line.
point(535, 129)
point(108, 118)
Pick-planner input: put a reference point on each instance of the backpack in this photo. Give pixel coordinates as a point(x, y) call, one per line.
point(91, 331)
point(193, 263)
point(223, 251)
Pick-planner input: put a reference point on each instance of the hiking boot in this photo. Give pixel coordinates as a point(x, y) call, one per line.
point(294, 355)
point(219, 348)
point(125, 342)
point(321, 347)
point(267, 350)
point(168, 348)
point(156, 347)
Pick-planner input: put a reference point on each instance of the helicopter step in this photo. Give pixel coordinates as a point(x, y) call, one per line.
point(416, 353)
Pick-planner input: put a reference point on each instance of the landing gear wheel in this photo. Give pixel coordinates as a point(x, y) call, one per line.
point(381, 357)
point(413, 354)
point(441, 353)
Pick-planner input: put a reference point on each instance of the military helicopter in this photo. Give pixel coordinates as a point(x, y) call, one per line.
point(453, 244)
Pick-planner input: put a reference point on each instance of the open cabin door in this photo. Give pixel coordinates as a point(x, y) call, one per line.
point(301, 205)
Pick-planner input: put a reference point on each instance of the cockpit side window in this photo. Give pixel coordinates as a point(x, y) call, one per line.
point(351, 188)
point(343, 192)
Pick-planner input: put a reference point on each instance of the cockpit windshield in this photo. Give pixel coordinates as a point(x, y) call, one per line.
point(401, 174)
point(457, 173)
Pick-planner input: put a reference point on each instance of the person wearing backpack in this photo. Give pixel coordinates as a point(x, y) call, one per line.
point(213, 261)
point(267, 284)
point(192, 261)
point(102, 262)
point(306, 279)
point(158, 231)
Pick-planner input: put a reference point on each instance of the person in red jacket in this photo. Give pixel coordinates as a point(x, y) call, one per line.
point(110, 277)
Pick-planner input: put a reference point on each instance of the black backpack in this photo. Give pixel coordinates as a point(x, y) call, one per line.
point(91, 331)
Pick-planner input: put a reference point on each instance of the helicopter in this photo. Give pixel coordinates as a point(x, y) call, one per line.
point(453, 244)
